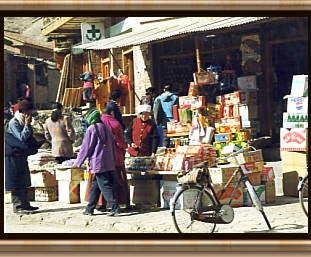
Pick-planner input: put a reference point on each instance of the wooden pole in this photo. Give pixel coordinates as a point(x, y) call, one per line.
point(197, 53)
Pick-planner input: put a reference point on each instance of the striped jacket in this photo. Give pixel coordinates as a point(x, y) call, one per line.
point(62, 135)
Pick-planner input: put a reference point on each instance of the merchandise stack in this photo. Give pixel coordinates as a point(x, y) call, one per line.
point(69, 179)
point(294, 135)
point(42, 174)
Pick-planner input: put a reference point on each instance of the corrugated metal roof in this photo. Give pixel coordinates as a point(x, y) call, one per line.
point(166, 29)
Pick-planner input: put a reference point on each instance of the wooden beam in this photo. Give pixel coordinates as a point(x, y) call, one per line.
point(127, 51)
point(55, 25)
point(197, 53)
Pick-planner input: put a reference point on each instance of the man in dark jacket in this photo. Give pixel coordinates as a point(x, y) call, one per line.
point(19, 144)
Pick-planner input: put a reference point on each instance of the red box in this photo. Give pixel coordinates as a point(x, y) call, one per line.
point(267, 175)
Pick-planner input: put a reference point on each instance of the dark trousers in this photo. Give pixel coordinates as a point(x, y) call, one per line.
point(102, 183)
point(20, 199)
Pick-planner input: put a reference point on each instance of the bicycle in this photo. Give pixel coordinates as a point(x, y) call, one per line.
point(195, 207)
point(303, 193)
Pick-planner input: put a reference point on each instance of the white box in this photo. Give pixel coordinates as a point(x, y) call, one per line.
point(295, 124)
point(299, 85)
point(261, 193)
point(46, 194)
point(69, 191)
point(247, 82)
point(297, 104)
point(43, 179)
point(83, 186)
point(167, 191)
point(248, 111)
point(70, 174)
point(295, 139)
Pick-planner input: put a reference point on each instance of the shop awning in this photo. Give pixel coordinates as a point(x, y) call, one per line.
point(156, 31)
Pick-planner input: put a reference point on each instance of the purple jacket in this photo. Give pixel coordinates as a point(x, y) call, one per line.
point(101, 156)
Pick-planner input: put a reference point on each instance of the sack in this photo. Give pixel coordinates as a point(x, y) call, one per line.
point(194, 176)
point(204, 78)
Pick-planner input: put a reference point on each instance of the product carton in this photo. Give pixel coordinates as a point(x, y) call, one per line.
point(248, 111)
point(295, 139)
point(247, 82)
point(261, 193)
point(223, 173)
point(270, 192)
point(225, 137)
point(295, 120)
point(299, 85)
point(43, 179)
point(297, 104)
point(144, 192)
point(267, 175)
point(227, 195)
point(75, 174)
point(167, 191)
point(248, 157)
point(254, 178)
point(69, 191)
point(46, 194)
point(253, 167)
point(290, 183)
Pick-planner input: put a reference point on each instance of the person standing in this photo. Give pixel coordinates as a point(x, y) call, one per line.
point(163, 110)
point(59, 130)
point(113, 104)
point(149, 97)
point(19, 144)
point(142, 136)
point(99, 147)
point(121, 186)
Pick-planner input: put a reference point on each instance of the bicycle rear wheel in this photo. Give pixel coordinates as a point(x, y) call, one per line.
point(303, 196)
point(187, 202)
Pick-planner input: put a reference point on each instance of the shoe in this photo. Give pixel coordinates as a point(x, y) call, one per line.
point(23, 211)
point(88, 213)
point(31, 208)
point(101, 209)
point(114, 213)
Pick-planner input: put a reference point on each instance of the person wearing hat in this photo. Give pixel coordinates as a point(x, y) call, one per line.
point(99, 147)
point(19, 144)
point(142, 136)
point(59, 130)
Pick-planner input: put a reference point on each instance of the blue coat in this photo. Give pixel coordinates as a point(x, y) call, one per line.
point(165, 113)
point(17, 174)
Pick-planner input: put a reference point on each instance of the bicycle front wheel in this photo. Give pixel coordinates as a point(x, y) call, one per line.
point(188, 202)
point(303, 196)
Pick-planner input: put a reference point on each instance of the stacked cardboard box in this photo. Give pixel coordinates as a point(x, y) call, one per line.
point(294, 135)
point(69, 184)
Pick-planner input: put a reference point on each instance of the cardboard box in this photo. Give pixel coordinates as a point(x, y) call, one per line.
point(43, 179)
point(297, 104)
point(254, 178)
point(267, 175)
point(193, 89)
point(167, 191)
point(46, 194)
point(69, 191)
point(261, 193)
point(247, 82)
point(144, 192)
point(83, 186)
point(299, 159)
point(237, 197)
point(253, 167)
point(76, 174)
point(249, 157)
point(222, 174)
point(248, 111)
point(289, 117)
point(270, 192)
point(290, 183)
point(299, 85)
point(295, 139)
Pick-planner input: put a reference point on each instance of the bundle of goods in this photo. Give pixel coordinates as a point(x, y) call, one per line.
point(41, 161)
point(145, 163)
point(67, 163)
point(185, 157)
point(178, 127)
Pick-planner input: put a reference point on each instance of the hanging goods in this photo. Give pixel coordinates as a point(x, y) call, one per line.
point(204, 78)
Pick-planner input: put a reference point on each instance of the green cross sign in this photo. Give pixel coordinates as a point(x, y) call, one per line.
point(93, 32)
